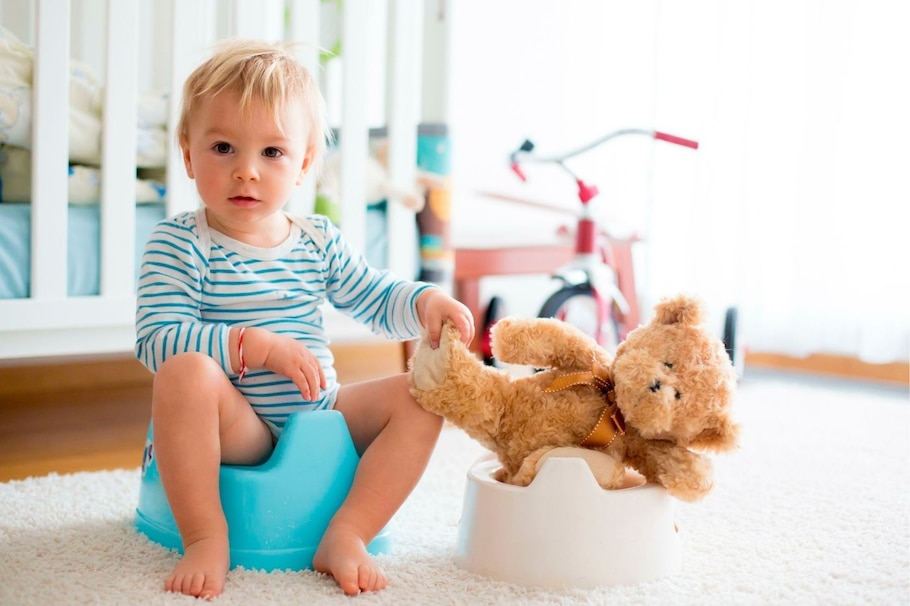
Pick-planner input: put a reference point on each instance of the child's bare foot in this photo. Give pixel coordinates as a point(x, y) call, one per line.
point(202, 570)
point(343, 555)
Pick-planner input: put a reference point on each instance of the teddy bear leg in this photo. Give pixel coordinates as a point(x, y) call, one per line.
point(452, 382)
point(529, 467)
point(533, 342)
point(451, 366)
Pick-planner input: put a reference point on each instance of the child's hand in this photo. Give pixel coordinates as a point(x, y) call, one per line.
point(434, 307)
point(288, 357)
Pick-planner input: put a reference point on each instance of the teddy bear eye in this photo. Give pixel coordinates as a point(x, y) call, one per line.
point(668, 364)
point(655, 387)
point(678, 395)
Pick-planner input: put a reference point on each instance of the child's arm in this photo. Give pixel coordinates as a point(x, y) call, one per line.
point(168, 316)
point(386, 303)
point(281, 354)
point(392, 307)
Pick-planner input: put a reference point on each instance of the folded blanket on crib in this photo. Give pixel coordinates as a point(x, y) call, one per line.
point(83, 182)
point(85, 108)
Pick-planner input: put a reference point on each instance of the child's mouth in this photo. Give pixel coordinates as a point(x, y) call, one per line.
point(243, 200)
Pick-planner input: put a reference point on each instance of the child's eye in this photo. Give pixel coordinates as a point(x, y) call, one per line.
point(271, 152)
point(222, 148)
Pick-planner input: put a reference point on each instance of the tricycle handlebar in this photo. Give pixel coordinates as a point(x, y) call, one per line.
point(676, 140)
point(525, 152)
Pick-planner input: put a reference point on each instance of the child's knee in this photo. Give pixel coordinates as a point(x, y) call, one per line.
point(185, 374)
point(192, 367)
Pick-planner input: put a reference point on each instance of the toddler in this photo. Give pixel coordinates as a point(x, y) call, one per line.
point(228, 318)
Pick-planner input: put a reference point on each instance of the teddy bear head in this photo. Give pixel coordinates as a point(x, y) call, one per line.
point(674, 380)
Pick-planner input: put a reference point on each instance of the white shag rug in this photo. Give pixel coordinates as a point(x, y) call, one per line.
point(813, 509)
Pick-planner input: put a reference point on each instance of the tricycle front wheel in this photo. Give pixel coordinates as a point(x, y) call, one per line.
point(580, 306)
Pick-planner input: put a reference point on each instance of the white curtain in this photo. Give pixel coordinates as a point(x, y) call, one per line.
point(799, 204)
point(794, 209)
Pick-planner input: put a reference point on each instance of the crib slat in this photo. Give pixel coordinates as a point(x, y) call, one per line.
point(403, 71)
point(354, 135)
point(49, 147)
point(118, 149)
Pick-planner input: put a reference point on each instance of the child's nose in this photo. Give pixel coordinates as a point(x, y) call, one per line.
point(245, 170)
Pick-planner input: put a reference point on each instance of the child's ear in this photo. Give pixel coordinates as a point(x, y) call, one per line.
point(307, 163)
point(187, 163)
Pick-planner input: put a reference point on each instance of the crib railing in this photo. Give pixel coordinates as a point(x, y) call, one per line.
point(49, 323)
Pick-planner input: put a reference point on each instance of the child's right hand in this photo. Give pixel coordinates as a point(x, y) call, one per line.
point(286, 356)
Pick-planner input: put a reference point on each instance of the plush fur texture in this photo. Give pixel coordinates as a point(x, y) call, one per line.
point(673, 383)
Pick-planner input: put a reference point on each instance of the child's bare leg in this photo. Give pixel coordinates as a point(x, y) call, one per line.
point(395, 437)
point(200, 420)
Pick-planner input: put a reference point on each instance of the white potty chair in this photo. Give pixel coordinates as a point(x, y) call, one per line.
point(564, 530)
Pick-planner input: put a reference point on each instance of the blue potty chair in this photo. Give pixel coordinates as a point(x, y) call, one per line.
point(276, 512)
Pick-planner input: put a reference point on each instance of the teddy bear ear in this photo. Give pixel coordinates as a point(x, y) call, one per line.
point(679, 310)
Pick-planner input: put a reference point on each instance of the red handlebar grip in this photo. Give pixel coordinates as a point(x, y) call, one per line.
point(517, 170)
point(674, 139)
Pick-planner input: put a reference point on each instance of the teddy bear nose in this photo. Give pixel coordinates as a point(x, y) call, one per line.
point(655, 387)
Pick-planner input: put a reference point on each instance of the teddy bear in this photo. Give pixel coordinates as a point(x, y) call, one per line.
point(666, 394)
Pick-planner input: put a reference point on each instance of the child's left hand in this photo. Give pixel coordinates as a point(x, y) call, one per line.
point(434, 307)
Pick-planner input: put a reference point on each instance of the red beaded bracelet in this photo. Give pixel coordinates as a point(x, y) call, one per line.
point(243, 367)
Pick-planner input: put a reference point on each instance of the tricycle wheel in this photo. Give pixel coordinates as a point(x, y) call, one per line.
point(729, 338)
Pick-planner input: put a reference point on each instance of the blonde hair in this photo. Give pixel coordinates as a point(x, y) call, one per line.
point(263, 73)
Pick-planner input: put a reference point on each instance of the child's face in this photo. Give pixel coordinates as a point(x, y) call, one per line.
point(245, 167)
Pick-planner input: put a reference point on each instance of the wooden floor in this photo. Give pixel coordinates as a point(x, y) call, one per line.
point(93, 416)
point(76, 430)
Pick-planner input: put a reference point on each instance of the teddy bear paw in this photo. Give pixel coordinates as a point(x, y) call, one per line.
point(690, 489)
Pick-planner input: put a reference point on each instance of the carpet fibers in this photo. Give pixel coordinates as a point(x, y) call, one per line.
point(813, 509)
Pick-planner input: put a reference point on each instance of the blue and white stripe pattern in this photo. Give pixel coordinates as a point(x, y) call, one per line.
point(195, 283)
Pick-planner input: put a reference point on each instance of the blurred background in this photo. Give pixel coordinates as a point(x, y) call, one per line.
point(793, 211)
point(795, 207)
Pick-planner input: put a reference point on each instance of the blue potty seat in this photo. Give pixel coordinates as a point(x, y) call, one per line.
point(278, 511)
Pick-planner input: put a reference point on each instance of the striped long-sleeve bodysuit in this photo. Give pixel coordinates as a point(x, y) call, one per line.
point(195, 283)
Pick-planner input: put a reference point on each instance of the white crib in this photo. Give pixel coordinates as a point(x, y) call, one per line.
point(144, 40)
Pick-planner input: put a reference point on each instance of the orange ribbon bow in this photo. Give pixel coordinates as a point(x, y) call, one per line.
point(610, 423)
